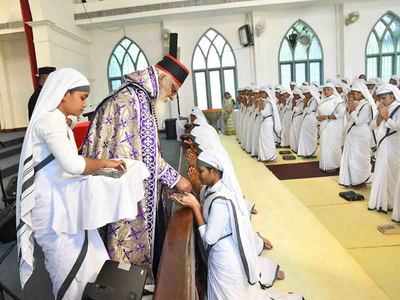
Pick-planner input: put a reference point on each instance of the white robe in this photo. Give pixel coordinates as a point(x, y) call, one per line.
point(266, 142)
point(297, 119)
point(387, 165)
point(226, 274)
point(68, 205)
point(237, 117)
point(281, 109)
point(331, 133)
point(355, 166)
point(256, 134)
point(250, 129)
point(244, 127)
point(308, 138)
point(286, 123)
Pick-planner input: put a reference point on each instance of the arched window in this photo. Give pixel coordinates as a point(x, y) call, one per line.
point(214, 70)
point(300, 55)
point(126, 57)
point(383, 48)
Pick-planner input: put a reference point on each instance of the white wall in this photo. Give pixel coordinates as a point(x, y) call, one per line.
point(356, 35)
point(148, 37)
point(9, 11)
point(278, 21)
point(15, 81)
point(338, 51)
point(59, 42)
point(189, 32)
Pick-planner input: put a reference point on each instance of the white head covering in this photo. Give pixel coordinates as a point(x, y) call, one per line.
point(361, 87)
point(299, 92)
point(389, 88)
point(278, 88)
point(396, 78)
point(275, 110)
point(332, 86)
point(285, 90)
point(198, 113)
point(53, 91)
point(344, 87)
point(220, 161)
point(314, 84)
point(313, 91)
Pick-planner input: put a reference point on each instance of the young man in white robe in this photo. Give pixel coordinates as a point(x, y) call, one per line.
point(287, 97)
point(270, 128)
point(331, 111)
point(58, 204)
point(235, 271)
point(297, 119)
point(355, 166)
point(308, 138)
point(387, 167)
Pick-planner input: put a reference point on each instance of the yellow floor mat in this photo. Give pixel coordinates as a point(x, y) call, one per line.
point(354, 226)
point(316, 265)
point(350, 222)
point(383, 265)
point(320, 191)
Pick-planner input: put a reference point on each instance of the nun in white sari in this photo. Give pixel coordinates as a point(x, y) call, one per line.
point(331, 111)
point(251, 122)
point(270, 129)
point(257, 127)
point(297, 119)
point(384, 195)
point(241, 123)
point(239, 115)
point(245, 123)
point(235, 271)
point(355, 166)
point(58, 206)
point(287, 117)
point(308, 138)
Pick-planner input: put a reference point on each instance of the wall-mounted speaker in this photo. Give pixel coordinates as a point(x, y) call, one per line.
point(173, 44)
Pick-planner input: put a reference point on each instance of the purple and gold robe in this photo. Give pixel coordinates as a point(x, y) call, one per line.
point(125, 126)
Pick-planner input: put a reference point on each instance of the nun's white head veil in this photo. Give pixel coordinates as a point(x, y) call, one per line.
point(361, 87)
point(389, 88)
point(57, 85)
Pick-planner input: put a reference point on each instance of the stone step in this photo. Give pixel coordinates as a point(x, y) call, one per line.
point(10, 151)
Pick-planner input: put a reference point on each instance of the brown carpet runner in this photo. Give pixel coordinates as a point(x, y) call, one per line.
point(300, 170)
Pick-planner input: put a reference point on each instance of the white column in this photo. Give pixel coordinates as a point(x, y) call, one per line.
point(339, 24)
